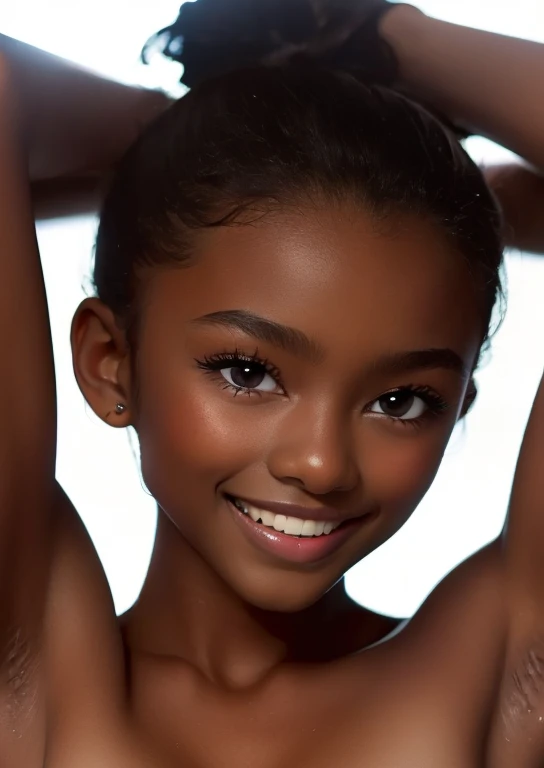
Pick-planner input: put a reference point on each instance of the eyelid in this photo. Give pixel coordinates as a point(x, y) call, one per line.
point(423, 391)
point(435, 403)
point(222, 360)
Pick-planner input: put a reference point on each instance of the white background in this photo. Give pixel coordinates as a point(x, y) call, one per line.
point(466, 506)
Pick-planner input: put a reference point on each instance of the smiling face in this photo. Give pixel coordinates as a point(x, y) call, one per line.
point(310, 359)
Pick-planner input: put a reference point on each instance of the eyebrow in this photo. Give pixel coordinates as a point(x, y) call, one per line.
point(299, 344)
point(422, 360)
point(282, 336)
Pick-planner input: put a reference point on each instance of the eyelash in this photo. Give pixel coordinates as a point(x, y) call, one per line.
point(435, 403)
point(212, 364)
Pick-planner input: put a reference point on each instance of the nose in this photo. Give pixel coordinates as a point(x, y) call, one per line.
point(315, 450)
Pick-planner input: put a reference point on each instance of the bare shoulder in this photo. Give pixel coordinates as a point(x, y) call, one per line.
point(84, 651)
point(80, 615)
point(466, 656)
point(65, 692)
point(451, 651)
point(435, 676)
point(484, 625)
point(470, 597)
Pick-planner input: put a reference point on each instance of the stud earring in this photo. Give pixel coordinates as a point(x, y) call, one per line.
point(120, 408)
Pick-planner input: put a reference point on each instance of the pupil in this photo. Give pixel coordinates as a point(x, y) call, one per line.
point(397, 403)
point(248, 376)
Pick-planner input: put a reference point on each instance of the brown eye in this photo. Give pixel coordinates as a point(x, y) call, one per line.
point(249, 376)
point(401, 404)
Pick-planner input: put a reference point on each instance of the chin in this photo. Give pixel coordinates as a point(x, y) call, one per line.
point(284, 595)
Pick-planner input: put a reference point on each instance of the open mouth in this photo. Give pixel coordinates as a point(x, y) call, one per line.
point(290, 526)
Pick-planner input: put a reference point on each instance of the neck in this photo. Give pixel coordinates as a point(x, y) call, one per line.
point(186, 610)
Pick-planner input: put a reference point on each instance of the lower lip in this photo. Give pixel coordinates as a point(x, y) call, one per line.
point(293, 548)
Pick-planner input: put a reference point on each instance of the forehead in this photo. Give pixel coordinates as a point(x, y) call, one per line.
point(338, 275)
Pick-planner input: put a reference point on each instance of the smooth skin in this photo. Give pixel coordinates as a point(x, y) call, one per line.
point(233, 656)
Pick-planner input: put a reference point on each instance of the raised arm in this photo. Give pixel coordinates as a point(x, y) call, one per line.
point(520, 191)
point(516, 735)
point(492, 85)
point(74, 121)
point(524, 530)
point(27, 453)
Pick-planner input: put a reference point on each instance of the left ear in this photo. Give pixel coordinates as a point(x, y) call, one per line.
point(101, 358)
point(470, 397)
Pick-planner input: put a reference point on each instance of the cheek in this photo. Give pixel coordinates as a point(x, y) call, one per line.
point(194, 436)
point(400, 468)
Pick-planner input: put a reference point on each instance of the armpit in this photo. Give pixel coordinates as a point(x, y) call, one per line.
point(18, 679)
point(522, 696)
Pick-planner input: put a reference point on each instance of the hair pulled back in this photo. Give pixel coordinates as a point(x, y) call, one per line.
point(256, 139)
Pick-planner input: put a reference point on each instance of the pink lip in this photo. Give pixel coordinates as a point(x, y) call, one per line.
point(295, 549)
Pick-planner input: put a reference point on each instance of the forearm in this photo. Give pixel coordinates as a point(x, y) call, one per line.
point(521, 194)
point(27, 454)
point(69, 196)
point(27, 388)
point(74, 121)
point(489, 83)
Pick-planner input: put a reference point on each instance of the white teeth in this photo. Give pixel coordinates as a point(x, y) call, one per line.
point(319, 528)
point(308, 528)
point(280, 521)
point(268, 518)
point(293, 526)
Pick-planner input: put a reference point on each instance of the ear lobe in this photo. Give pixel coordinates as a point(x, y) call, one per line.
point(101, 362)
point(470, 398)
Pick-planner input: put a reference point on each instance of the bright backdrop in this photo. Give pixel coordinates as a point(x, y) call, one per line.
point(466, 506)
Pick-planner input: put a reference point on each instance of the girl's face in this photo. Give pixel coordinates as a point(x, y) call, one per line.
point(305, 374)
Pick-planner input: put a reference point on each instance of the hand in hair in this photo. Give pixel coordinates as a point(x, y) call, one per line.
point(213, 37)
point(491, 85)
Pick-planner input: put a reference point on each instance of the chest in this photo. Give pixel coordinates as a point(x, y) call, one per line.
point(302, 721)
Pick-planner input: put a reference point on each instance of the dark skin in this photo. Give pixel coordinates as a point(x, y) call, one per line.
point(77, 124)
point(316, 440)
point(239, 653)
point(251, 438)
point(318, 444)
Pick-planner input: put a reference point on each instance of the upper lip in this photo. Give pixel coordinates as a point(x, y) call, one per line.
point(319, 514)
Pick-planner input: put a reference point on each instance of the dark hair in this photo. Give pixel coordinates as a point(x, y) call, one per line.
point(258, 139)
point(214, 37)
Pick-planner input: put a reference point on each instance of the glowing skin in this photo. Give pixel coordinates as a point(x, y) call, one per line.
point(200, 674)
point(317, 438)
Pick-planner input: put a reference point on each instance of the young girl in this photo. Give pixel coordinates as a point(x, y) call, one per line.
point(295, 274)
